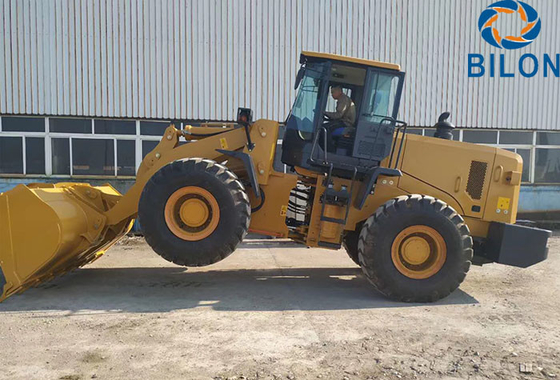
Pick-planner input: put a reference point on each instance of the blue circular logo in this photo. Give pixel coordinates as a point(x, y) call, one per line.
point(527, 14)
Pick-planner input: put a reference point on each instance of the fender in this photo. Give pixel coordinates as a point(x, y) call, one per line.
point(249, 166)
point(370, 180)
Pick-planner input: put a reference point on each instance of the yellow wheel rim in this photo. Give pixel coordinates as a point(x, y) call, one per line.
point(192, 213)
point(419, 252)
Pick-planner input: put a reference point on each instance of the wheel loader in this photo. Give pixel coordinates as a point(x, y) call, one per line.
point(414, 212)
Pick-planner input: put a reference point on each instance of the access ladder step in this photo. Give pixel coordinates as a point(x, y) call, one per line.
point(333, 220)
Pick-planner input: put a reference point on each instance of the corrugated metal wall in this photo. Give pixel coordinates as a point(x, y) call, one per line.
point(201, 59)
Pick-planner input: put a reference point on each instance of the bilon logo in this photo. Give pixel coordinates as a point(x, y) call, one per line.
point(527, 14)
point(529, 64)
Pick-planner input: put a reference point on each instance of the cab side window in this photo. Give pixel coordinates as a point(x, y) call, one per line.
point(380, 100)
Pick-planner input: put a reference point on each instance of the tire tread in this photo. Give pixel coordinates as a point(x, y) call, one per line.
point(228, 180)
point(391, 209)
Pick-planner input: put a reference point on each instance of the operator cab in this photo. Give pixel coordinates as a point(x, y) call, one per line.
point(375, 89)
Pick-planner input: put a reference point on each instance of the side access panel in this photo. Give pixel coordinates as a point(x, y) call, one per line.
point(461, 170)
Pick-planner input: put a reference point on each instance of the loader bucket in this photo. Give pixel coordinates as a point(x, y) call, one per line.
point(47, 230)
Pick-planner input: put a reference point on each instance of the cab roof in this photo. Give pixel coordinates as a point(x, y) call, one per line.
point(359, 61)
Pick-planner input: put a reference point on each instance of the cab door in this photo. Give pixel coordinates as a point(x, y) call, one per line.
point(377, 114)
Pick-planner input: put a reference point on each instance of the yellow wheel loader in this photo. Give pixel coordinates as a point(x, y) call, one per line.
point(413, 212)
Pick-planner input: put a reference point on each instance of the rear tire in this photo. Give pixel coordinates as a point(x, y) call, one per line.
point(350, 244)
point(415, 249)
point(194, 212)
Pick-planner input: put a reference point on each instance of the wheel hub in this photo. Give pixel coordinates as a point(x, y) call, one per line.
point(192, 213)
point(415, 250)
point(418, 252)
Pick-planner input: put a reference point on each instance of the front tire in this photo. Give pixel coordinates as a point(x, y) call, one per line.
point(415, 249)
point(194, 212)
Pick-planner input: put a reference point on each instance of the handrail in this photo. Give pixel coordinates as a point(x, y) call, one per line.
point(315, 143)
point(393, 147)
point(400, 128)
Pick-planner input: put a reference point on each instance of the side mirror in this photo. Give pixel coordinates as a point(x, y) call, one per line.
point(244, 116)
point(299, 76)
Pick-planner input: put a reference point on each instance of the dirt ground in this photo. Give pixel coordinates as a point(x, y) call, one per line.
point(276, 310)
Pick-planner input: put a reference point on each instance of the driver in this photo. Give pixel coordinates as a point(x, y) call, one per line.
point(341, 122)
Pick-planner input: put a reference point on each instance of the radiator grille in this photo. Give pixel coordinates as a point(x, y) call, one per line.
point(475, 184)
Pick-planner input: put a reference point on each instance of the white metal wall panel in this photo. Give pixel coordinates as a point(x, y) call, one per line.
point(2, 59)
point(201, 59)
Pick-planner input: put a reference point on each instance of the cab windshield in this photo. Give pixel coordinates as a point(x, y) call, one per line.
point(307, 103)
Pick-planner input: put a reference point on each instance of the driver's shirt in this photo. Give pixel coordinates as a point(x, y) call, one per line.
point(345, 111)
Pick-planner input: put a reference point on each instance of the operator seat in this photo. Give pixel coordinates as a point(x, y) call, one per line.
point(343, 144)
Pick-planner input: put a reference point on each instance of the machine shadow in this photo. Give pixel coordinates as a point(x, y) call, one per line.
point(269, 243)
point(166, 289)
